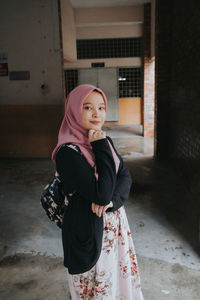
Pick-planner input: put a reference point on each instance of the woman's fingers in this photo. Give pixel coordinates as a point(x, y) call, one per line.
point(93, 205)
point(90, 134)
point(95, 135)
point(104, 209)
point(99, 210)
point(107, 206)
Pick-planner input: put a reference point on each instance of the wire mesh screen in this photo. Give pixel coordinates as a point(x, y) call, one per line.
point(130, 82)
point(109, 48)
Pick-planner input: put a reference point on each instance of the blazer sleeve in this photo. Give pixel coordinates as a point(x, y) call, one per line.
point(78, 175)
point(123, 184)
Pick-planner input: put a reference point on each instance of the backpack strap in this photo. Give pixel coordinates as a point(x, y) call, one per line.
point(72, 146)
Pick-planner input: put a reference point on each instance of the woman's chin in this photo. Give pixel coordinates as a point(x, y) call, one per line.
point(96, 127)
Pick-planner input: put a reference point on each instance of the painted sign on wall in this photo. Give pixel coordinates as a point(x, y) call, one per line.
point(19, 75)
point(3, 69)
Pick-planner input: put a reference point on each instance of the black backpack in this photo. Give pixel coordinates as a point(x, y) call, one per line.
point(53, 199)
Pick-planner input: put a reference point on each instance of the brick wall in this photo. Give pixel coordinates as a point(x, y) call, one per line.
point(148, 96)
point(178, 92)
point(149, 73)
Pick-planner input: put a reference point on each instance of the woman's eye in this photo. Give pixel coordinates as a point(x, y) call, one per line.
point(87, 107)
point(102, 108)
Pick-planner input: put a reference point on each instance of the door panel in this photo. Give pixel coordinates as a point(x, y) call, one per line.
point(106, 79)
point(108, 82)
point(87, 76)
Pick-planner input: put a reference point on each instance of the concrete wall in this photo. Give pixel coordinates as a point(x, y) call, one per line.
point(108, 62)
point(111, 31)
point(68, 31)
point(109, 15)
point(109, 22)
point(30, 39)
point(178, 90)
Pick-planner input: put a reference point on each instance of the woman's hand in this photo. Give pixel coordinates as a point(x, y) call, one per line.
point(99, 210)
point(95, 135)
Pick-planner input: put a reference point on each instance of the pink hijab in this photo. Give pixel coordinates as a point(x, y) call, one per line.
point(71, 129)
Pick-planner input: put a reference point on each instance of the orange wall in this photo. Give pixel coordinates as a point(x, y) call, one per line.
point(130, 111)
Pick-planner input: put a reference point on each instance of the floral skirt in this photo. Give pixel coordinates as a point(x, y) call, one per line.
point(115, 275)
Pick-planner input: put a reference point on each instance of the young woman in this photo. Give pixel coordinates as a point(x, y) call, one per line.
point(98, 248)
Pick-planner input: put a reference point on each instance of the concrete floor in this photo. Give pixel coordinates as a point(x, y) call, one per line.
point(31, 264)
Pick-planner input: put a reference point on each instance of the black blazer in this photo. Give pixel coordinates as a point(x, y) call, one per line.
point(82, 230)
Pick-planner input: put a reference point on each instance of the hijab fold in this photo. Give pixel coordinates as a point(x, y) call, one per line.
point(71, 129)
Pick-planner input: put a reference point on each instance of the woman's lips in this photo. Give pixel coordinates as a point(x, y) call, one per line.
point(95, 122)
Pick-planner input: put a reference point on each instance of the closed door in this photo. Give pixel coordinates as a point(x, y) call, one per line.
point(105, 79)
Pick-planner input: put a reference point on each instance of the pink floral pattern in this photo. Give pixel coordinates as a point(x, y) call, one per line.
point(116, 274)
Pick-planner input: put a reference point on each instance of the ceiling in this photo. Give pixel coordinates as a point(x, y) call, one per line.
point(106, 3)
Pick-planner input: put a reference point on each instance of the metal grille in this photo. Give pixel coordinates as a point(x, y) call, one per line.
point(71, 80)
point(109, 48)
point(130, 82)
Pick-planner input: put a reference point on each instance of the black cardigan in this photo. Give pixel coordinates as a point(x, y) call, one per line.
point(82, 230)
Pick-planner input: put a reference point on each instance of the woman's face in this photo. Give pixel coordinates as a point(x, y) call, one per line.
point(93, 112)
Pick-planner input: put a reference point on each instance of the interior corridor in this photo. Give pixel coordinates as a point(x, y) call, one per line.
point(30, 245)
point(153, 46)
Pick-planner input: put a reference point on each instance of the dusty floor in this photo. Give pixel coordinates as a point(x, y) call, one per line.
point(31, 264)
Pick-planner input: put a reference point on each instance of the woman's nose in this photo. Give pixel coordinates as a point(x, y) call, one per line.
point(95, 112)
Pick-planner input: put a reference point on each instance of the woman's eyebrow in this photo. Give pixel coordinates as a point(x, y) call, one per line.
point(91, 103)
